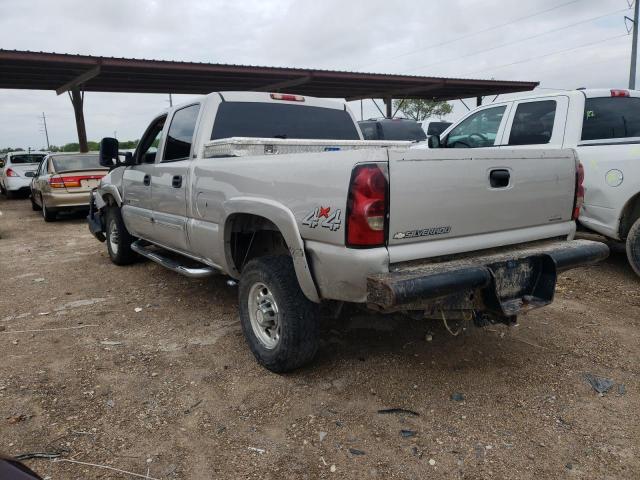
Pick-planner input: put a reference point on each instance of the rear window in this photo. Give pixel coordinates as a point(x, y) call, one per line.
point(369, 130)
point(533, 123)
point(67, 163)
point(402, 130)
point(27, 158)
point(611, 117)
point(275, 120)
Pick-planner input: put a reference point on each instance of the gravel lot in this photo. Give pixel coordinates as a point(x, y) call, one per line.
point(140, 369)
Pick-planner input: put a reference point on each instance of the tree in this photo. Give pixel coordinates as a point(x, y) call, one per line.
point(420, 110)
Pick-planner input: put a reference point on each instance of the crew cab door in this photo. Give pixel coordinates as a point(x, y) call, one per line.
point(536, 121)
point(170, 180)
point(137, 206)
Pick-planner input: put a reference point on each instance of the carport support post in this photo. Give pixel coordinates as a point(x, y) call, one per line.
point(388, 102)
point(77, 100)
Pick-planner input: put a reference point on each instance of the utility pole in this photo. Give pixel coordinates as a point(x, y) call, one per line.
point(46, 132)
point(170, 101)
point(634, 47)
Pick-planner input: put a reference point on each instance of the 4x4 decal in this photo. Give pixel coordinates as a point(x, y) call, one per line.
point(324, 217)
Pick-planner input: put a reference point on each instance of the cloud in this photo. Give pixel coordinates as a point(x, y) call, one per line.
point(374, 35)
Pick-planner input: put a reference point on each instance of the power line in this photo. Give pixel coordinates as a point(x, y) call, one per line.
point(549, 54)
point(518, 41)
point(495, 27)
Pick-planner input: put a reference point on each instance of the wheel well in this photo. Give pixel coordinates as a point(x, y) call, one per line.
point(252, 236)
point(630, 214)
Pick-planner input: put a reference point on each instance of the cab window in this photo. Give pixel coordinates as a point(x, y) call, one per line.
point(533, 123)
point(148, 145)
point(180, 135)
point(478, 130)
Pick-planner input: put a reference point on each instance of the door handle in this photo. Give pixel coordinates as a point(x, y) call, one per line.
point(147, 180)
point(499, 178)
point(176, 181)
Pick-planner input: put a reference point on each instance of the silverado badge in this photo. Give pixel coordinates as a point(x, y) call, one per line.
point(424, 232)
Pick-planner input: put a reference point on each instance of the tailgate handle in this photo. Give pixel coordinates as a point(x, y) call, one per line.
point(176, 181)
point(147, 180)
point(499, 178)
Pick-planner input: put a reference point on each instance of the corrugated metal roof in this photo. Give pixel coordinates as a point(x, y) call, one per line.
point(51, 71)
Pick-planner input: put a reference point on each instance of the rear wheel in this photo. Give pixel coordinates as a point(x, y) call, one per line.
point(10, 194)
point(34, 206)
point(633, 247)
point(48, 214)
point(279, 323)
point(119, 240)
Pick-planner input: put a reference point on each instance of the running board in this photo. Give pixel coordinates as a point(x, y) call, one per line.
point(171, 264)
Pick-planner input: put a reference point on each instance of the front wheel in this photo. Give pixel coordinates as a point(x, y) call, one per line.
point(279, 323)
point(633, 247)
point(119, 240)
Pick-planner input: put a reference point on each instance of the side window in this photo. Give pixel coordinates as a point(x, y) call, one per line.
point(180, 135)
point(42, 169)
point(148, 145)
point(478, 130)
point(533, 123)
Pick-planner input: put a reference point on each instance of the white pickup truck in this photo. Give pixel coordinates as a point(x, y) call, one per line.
point(602, 125)
point(281, 193)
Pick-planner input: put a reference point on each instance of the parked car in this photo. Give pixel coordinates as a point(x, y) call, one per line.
point(63, 182)
point(392, 129)
point(16, 171)
point(390, 228)
point(602, 125)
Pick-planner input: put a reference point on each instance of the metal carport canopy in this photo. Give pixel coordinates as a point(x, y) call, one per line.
point(79, 73)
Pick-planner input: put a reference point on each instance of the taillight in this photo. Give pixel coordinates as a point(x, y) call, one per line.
point(56, 182)
point(619, 93)
point(71, 181)
point(579, 194)
point(11, 173)
point(287, 97)
point(367, 206)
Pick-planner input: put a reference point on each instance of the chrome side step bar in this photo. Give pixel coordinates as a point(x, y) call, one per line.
point(197, 272)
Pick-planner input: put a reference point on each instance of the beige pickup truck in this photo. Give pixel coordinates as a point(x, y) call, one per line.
point(280, 193)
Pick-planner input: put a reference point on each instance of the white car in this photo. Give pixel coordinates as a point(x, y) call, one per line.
point(602, 125)
point(16, 171)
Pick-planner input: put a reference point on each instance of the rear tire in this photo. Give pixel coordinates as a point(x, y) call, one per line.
point(119, 240)
point(9, 194)
point(633, 247)
point(34, 206)
point(48, 215)
point(279, 323)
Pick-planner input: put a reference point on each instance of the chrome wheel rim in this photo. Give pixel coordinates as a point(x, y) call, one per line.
point(264, 315)
point(113, 237)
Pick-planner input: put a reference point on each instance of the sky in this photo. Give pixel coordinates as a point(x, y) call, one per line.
point(563, 44)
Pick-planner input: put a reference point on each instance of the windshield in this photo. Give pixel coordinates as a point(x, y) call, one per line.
point(611, 117)
point(66, 163)
point(27, 158)
point(275, 120)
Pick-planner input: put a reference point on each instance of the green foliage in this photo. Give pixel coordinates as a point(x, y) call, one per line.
point(420, 110)
point(75, 147)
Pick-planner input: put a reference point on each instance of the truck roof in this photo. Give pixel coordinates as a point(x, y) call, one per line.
point(267, 97)
point(587, 92)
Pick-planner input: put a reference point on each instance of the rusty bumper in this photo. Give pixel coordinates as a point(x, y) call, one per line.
point(506, 281)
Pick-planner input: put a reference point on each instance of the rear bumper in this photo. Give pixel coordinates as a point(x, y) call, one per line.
point(67, 200)
point(506, 282)
point(14, 184)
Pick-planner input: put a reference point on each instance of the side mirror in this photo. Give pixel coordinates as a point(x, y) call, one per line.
point(434, 141)
point(109, 152)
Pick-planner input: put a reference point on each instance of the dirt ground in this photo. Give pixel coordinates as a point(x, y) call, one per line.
point(140, 369)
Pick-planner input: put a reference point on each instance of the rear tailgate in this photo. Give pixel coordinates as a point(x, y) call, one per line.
point(445, 201)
